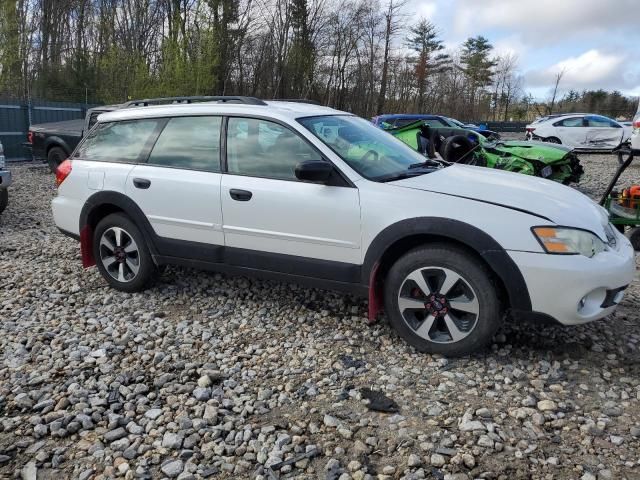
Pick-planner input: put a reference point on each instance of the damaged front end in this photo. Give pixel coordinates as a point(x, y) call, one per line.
point(554, 162)
point(458, 145)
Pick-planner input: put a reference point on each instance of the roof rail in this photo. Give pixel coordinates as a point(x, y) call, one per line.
point(169, 100)
point(297, 100)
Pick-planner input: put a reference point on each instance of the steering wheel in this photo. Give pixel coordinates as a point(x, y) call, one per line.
point(370, 153)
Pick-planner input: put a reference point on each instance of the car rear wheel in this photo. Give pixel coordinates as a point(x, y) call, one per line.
point(4, 199)
point(441, 299)
point(122, 255)
point(553, 140)
point(55, 157)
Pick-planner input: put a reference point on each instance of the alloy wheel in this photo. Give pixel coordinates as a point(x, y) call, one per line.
point(438, 304)
point(119, 254)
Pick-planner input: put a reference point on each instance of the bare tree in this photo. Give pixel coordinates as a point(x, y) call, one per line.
point(392, 19)
point(558, 77)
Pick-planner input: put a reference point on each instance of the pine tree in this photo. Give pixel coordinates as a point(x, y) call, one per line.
point(477, 65)
point(423, 39)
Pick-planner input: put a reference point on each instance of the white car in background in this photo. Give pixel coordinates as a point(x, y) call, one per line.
point(635, 135)
point(579, 130)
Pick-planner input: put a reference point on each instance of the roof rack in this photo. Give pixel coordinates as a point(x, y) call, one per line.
point(170, 100)
point(297, 100)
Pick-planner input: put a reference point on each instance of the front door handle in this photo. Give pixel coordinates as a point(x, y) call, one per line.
point(240, 195)
point(141, 183)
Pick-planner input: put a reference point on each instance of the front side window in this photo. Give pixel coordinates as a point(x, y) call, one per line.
point(123, 141)
point(370, 151)
point(190, 143)
point(261, 148)
point(601, 122)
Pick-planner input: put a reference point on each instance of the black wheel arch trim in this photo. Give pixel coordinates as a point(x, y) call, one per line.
point(124, 203)
point(472, 237)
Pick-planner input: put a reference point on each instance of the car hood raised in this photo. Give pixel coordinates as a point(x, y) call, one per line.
point(536, 196)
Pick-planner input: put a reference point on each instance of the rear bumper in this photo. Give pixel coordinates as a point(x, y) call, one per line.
point(575, 289)
point(66, 213)
point(5, 178)
point(66, 233)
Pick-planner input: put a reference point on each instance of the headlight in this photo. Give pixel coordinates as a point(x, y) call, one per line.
point(569, 241)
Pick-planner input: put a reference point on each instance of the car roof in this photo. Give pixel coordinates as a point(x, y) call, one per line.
point(282, 110)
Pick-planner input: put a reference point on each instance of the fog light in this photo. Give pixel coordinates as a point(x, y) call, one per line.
point(619, 296)
point(582, 303)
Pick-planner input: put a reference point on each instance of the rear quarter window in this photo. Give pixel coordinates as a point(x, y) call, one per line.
point(126, 141)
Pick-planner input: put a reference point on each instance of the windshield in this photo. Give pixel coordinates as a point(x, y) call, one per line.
point(370, 151)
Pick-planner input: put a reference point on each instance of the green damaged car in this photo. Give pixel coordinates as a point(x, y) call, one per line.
point(458, 145)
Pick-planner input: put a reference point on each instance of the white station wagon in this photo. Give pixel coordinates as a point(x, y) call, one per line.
point(309, 194)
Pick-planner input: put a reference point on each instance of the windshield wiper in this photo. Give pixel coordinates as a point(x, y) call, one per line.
point(427, 163)
point(405, 174)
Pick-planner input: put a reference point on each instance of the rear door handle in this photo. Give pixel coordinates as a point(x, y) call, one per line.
point(141, 183)
point(240, 195)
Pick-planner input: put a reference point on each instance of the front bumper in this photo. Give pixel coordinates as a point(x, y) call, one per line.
point(5, 178)
point(573, 289)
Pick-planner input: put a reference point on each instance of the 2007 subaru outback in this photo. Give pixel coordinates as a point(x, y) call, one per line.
point(319, 196)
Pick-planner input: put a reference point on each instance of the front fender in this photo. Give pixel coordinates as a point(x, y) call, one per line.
point(473, 238)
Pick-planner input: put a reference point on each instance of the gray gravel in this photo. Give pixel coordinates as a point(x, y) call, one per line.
point(209, 376)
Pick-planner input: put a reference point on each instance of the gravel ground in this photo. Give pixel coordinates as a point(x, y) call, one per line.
point(209, 376)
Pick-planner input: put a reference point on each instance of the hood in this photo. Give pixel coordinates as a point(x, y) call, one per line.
point(560, 204)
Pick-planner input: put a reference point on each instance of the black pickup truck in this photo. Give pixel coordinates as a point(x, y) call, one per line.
point(53, 142)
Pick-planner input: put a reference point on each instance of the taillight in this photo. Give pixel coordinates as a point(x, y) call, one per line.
point(63, 171)
point(530, 130)
point(30, 136)
point(636, 124)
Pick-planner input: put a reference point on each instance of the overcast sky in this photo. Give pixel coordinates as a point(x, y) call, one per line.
point(597, 42)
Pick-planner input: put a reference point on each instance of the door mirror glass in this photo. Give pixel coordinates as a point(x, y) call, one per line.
point(314, 171)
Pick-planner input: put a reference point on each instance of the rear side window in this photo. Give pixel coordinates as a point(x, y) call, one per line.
point(189, 142)
point(569, 122)
point(125, 141)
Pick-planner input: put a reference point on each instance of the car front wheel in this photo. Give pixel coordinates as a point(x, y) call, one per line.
point(441, 299)
point(122, 255)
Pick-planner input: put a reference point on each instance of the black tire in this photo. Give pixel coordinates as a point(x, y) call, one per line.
point(623, 155)
point(553, 140)
point(146, 269)
point(457, 149)
point(4, 199)
point(472, 273)
point(634, 237)
point(55, 157)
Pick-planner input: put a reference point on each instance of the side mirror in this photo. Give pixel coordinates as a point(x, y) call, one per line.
point(314, 171)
